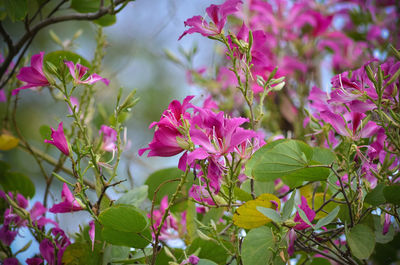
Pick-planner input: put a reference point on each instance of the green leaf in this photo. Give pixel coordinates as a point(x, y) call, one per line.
point(79, 254)
point(124, 218)
point(106, 20)
point(158, 177)
point(259, 187)
point(361, 240)
point(376, 197)
point(256, 246)
point(212, 214)
point(4, 168)
point(290, 159)
point(127, 239)
point(17, 182)
point(378, 227)
point(288, 207)
point(303, 216)
point(270, 213)
point(208, 250)
point(16, 9)
point(112, 254)
point(134, 197)
point(395, 52)
point(45, 132)
point(393, 78)
point(323, 155)
point(327, 219)
point(392, 194)
point(191, 225)
point(86, 6)
point(241, 195)
point(320, 261)
point(57, 58)
point(206, 262)
point(257, 156)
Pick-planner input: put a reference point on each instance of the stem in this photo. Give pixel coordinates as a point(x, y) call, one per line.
point(83, 130)
point(166, 213)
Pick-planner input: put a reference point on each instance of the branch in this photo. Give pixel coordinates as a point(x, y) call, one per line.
point(13, 50)
point(50, 160)
point(6, 37)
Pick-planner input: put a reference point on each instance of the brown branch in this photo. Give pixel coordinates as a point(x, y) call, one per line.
point(6, 37)
point(50, 21)
point(38, 11)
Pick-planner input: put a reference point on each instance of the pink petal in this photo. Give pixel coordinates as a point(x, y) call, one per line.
point(92, 232)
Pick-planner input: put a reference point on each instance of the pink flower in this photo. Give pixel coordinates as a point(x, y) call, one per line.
point(47, 251)
point(165, 142)
point(201, 194)
point(34, 261)
point(386, 224)
point(47, 248)
point(59, 140)
point(170, 228)
point(92, 232)
point(3, 97)
point(61, 241)
point(78, 72)
point(216, 135)
point(33, 75)
point(75, 104)
point(309, 213)
point(192, 260)
point(109, 138)
point(218, 15)
point(7, 236)
point(352, 127)
point(11, 261)
point(291, 238)
point(68, 204)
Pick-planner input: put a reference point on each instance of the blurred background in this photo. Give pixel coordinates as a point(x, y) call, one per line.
point(134, 59)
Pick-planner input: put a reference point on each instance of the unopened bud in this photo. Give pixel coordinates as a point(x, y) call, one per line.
point(278, 87)
point(260, 81)
point(289, 223)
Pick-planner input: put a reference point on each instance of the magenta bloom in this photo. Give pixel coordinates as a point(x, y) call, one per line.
point(291, 237)
point(34, 261)
point(216, 135)
point(61, 241)
point(192, 260)
point(109, 138)
point(218, 15)
point(33, 75)
point(309, 213)
point(3, 97)
point(201, 194)
point(47, 251)
point(171, 227)
point(165, 142)
point(68, 204)
point(59, 140)
point(353, 127)
point(7, 235)
point(78, 72)
point(386, 224)
point(75, 104)
point(11, 261)
point(92, 232)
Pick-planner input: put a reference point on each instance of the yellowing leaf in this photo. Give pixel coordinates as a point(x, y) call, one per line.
point(247, 216)
point(318, 201)
point(8, 142)
point(307, 190)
